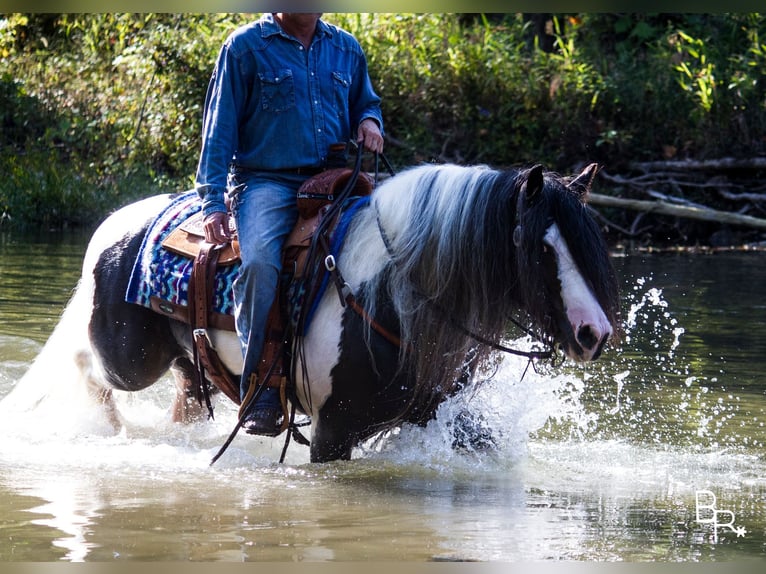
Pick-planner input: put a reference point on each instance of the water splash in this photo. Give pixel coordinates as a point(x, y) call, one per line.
point(646, 393)
point(508, 406)
point(651, 389)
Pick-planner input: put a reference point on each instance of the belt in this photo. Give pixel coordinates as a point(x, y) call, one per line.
point(306, 170)
point(293, 170)
point(303, 170)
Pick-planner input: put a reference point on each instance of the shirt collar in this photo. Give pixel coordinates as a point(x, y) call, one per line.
point(269, 27)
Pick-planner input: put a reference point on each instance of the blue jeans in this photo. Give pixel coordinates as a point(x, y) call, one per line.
point(265, 212)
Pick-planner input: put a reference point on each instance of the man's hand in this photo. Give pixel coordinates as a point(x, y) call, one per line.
point(216, 226)
point(369, 135)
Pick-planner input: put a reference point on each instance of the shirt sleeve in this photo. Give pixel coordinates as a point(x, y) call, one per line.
point(364, 102)
point(220, 130)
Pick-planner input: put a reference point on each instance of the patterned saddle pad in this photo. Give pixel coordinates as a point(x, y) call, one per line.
point(161, 273)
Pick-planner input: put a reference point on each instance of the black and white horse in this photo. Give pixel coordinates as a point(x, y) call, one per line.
point(443, 256)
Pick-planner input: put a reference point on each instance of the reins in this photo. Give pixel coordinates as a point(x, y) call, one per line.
point(319, 240)
point(347, 299)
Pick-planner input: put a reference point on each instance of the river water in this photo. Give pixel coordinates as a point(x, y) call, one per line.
point(615, 461)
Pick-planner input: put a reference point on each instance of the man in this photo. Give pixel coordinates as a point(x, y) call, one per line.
point(284, 89)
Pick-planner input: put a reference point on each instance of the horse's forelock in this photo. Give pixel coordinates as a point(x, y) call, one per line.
point(534, 218)
point(590, 252)
point(565, 207)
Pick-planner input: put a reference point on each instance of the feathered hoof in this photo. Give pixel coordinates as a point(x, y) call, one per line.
point(470, 432)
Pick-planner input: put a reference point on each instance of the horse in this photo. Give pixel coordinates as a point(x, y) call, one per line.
point(443, 256)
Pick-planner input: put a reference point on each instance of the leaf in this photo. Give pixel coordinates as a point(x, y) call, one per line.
point(643, 31)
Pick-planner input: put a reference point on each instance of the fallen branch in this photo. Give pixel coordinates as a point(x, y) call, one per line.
point(647, 180)
point(686, 211)
point(697, 165)
point(674, 200)
point(754, 197)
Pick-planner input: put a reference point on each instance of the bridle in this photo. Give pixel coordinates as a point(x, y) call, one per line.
point(548, 353)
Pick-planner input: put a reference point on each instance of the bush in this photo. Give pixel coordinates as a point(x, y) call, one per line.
point(109, 106)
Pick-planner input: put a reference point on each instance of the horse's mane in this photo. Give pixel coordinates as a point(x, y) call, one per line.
point(453, 262)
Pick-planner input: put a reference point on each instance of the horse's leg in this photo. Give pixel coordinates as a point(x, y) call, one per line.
point(471, 432)
point(366, 395)
point(186, 408)
point(99, 394)
point(330, 439)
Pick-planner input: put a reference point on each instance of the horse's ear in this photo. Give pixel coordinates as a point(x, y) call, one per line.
point(534, 184)
point(582, 183)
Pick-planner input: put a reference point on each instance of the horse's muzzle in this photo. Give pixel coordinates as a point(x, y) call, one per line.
point(591, 338)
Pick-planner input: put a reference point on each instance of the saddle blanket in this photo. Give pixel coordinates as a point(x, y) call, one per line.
point(160, 273)
point(163, 274)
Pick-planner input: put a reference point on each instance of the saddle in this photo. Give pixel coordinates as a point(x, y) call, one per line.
point(299, 263)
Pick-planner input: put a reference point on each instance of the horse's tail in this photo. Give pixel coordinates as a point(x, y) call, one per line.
point(63, 373)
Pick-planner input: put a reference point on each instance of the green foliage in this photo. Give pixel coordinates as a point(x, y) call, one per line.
point(680, 85)
point(98, 109)
point(696, 70)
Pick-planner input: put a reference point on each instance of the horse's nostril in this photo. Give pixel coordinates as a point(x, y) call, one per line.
point(587, 337)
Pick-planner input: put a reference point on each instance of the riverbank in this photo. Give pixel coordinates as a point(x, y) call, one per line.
point(101, 109)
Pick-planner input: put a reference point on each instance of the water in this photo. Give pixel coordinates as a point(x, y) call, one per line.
point(599, 463)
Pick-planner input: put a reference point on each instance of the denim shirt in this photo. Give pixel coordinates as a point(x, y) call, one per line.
point(272, 104)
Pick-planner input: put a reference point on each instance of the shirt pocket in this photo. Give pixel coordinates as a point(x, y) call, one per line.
point(277, 90)
point(341, 87)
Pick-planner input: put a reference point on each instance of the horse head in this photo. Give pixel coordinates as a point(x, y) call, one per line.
point(566, 282)
point(464, 251)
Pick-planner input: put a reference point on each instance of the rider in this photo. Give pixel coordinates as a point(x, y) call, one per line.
point(283, 90)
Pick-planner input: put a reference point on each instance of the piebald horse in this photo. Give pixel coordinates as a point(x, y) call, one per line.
point(443, 256)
